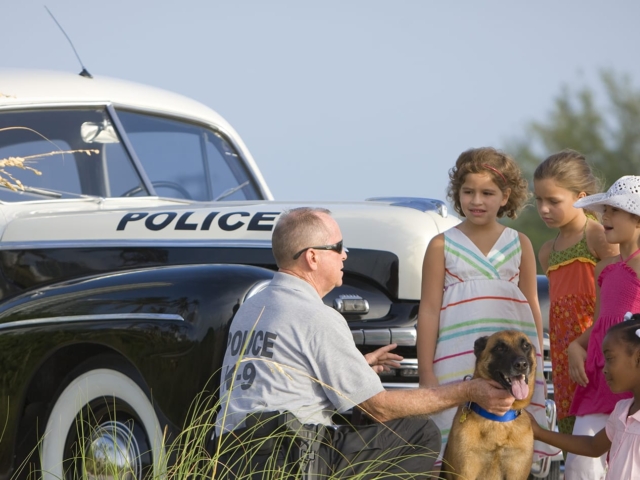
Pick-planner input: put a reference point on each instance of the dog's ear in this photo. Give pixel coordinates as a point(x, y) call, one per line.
point(479, 346)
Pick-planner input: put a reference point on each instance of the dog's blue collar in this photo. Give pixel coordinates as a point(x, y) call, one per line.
point(507, 417)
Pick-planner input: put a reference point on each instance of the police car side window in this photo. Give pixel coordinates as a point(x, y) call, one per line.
point(228, 175)
point(185, 160)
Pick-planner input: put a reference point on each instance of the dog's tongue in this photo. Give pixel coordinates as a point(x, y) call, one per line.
point(519, 388)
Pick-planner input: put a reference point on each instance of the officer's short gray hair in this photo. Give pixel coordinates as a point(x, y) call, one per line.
point(297, 229)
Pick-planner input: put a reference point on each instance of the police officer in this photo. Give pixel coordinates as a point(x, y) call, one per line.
point(289, 352)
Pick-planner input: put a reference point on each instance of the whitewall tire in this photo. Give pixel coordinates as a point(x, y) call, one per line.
point(115, 390)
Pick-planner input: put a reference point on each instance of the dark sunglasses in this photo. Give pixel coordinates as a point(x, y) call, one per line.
point(336, 247)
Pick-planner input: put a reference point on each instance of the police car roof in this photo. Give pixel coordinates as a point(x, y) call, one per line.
point(20, 87)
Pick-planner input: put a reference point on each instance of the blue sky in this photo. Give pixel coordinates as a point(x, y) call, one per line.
point(343, 100)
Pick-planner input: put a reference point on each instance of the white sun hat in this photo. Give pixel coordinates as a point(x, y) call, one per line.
point(624, 194)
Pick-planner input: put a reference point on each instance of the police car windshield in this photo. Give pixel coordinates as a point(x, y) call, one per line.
point(63, 153)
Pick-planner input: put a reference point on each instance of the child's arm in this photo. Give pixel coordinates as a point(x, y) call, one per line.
point(577, 356)
point(585, 445)
point(583, 340)
point(528, 284)
point(577, 350)
point(543, 255)
point(597, 242)
point(433, 271)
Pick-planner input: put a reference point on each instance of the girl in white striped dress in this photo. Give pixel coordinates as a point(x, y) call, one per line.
point(478, 278)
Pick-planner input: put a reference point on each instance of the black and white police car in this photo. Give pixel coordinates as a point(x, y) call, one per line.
point(133, 223)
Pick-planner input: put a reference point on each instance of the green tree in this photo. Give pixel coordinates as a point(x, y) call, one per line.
point(607, 132)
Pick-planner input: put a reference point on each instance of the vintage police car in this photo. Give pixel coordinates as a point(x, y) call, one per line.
point(125, 254)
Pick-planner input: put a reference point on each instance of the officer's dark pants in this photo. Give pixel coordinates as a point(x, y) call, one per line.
point(400, 449)
point(403, 448)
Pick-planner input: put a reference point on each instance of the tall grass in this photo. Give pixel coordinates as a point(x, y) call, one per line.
point(232, 455)
point(195, 453)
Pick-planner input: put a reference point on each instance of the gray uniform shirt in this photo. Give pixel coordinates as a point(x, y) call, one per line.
point(299, 355)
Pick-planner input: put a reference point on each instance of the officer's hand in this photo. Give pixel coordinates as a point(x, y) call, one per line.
point(381, 360)
point(490, 395)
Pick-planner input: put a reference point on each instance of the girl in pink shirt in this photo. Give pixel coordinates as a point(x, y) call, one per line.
point(621, 435)
point(617, 292)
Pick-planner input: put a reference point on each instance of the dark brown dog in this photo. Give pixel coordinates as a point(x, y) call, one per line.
point(484, 448)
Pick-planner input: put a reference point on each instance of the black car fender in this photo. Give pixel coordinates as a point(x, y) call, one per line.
point(167, 325)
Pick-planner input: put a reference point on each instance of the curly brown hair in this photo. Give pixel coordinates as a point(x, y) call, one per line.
point(503, 170)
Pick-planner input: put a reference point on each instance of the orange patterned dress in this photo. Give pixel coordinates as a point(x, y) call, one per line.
point(572, 296)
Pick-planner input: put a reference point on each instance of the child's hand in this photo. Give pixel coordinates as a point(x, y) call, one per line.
point(534, 425)
point(577, 356)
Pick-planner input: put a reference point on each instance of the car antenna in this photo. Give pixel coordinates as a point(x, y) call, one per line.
point(84, 72)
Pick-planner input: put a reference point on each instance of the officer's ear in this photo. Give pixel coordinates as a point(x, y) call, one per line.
point(311, 257)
